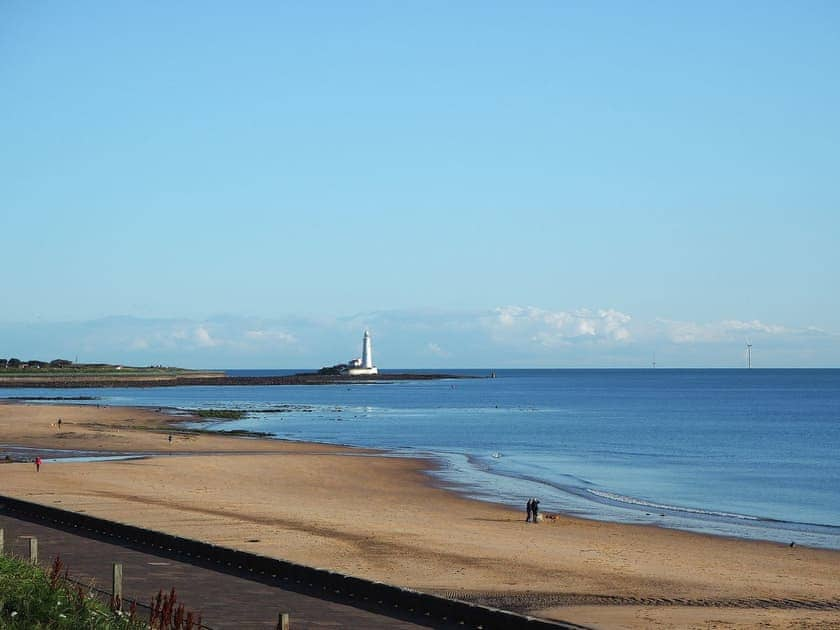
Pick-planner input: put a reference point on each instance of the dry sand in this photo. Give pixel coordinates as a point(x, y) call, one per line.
point(382, 518)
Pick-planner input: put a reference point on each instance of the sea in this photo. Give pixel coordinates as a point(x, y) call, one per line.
point(749, 453)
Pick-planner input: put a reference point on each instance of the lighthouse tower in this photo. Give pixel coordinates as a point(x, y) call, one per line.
point(363, 366)
point(367, 355)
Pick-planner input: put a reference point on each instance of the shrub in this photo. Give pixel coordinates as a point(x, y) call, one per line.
point(32, 599)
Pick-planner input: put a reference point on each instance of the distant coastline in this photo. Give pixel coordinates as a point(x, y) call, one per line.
point(185, 378)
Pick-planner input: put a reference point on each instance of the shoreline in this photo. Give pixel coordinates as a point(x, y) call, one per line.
point(386, 518)
point(706, 521)
point(442, 474)
point(56, 381)
point(593, 505)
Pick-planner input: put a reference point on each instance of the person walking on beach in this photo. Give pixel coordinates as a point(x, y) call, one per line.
point(37, 464)
point(535, 508)
point(528, 508)
point(59, 424)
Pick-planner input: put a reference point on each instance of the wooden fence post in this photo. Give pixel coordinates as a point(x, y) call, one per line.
point(283, 622)
point(116, 585)
point(33, 550)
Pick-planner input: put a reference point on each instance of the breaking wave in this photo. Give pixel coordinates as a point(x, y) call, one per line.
point(620, 498)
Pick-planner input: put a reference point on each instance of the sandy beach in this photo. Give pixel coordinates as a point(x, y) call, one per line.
point(382, 518)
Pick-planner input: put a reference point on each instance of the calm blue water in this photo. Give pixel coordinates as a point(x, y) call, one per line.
point(747, 453)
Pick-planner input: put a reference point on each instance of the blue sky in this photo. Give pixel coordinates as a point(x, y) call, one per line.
point(483, 184)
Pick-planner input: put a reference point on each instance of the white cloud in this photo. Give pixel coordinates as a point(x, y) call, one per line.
point(270, 336)
point(513, 335)
point(139, 344)
point(222, 333)
point(203, 338)
point(435, 349)
point(713, 332)
point(517, 324)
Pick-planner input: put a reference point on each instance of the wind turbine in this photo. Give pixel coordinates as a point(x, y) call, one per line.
point(749, 354)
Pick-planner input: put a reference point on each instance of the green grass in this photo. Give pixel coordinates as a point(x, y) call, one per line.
point(32, 599)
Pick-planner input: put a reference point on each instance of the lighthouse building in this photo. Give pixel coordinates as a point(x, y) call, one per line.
point(363, 366)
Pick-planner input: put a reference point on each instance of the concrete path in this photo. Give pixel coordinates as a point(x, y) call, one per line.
point(224, 600)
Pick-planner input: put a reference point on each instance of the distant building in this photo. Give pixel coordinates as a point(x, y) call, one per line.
point(363, 366)
point(355, 367)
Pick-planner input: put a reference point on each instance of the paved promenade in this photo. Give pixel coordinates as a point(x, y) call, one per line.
point(225, 601)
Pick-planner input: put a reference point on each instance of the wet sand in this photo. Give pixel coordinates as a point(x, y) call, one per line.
point(383, 518)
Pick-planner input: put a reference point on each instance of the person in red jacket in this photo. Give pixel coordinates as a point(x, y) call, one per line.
point(37, 464)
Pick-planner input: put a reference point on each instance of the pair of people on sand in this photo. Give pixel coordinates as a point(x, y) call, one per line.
point(532, 507)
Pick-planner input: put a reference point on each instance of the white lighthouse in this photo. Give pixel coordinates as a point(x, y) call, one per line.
point(367, 355)
point(363, 366)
